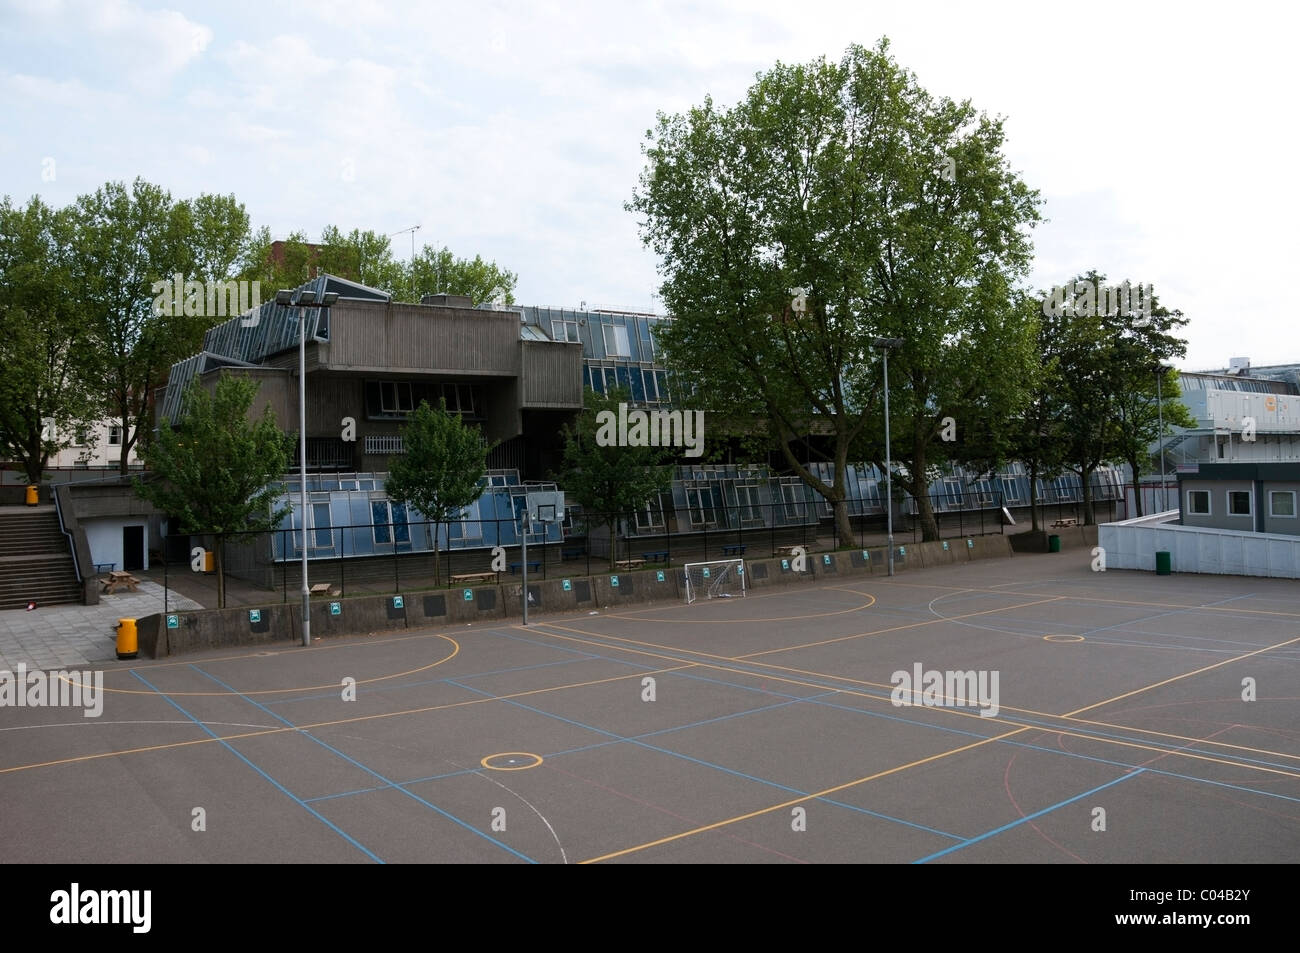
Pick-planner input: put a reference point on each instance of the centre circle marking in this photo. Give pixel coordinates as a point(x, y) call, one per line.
point(1063, 638)
point(512, 761)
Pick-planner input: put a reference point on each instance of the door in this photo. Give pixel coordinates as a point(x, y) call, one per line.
point(132, 548)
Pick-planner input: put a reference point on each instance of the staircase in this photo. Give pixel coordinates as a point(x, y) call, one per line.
point(35, 561)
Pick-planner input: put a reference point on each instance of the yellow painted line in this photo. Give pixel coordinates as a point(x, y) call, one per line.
point(871, 601)
point(340, 721)
point(1207, 668)
point(799, 800)
point(289, 691)
point(958, 712)
point(898, 628)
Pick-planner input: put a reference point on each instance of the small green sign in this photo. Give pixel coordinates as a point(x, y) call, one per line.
point(469, 595)
point(254, 615)
point(336, 608)
point(659, 575)
point(970, 544)
point(613, 581)
point(398, 603)
point(866, 555)
point(785, 564)
point(567, 585)
point(902, 550)
point(706, 572)
point(945, 545)
point(826, 559)
point(173, 622)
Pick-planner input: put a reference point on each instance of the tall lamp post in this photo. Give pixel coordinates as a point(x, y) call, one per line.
point(886, 345)
point(1160, 412)
point(302, 300)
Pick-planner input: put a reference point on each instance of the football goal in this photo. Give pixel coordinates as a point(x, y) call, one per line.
point(720, 579)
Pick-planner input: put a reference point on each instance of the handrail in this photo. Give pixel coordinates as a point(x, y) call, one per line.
point(72, 543)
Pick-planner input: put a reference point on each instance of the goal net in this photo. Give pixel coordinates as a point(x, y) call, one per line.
point(720, 579)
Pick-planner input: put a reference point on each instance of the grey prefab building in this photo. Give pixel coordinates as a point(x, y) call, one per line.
point(1255, 497)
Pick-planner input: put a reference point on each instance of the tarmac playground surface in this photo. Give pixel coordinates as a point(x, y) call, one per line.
point(755, 730)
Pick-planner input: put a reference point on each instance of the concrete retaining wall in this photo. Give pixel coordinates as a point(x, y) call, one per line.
point(1133, 544)
point(280, 623)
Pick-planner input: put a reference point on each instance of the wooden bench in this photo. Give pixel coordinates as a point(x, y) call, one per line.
point(101, 568)
point(733, 549)
point(630, 563)
point(474, 577)
point(1066, 522)
point(657, 556)
point(788, 551)
point(532, 566)
point(324, 589)
point(118, 580)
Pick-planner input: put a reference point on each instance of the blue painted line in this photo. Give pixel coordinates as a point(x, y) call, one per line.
point(1006, 827)
point(303, 804)
point(351, 760)
point(709, 764)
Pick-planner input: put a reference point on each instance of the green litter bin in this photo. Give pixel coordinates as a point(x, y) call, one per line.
point(1164, 565)
point(1053, 544)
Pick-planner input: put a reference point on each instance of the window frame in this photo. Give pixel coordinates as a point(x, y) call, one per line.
point(1272, 510)
point(1209, 503)
point(1250, 502)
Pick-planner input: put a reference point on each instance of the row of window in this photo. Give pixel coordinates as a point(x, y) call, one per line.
point(1281, 503)
point(396, 399)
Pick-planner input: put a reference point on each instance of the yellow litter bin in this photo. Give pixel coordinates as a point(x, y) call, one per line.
point(33, 496)
point(127, 642)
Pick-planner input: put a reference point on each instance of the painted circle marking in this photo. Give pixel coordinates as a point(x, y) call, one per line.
point(514, 761)
point(1063, 638)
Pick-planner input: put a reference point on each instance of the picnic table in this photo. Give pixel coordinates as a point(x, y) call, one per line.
point(473, 577)
point(788, 551)
point(1066, 522)
point(119, 580)
point(630, 563)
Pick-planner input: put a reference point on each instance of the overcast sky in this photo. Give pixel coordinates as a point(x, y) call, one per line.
point(1160, 135)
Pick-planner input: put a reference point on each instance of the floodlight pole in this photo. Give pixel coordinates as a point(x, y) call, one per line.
point(302, 467)
point(886, 345)
point(1160, 411)
point(523, 546)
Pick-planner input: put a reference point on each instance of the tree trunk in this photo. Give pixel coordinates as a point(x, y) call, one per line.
point(1033, 499)
point(221, 574)
point(1137, 485)
point(921, 493)
point(1088, 518)
point(839, 495)
point(122, 467)
point(437, 573)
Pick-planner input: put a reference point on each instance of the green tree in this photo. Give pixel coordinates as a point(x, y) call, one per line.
point(42, 338)
point(218, 471)
point(893, 212)
point(437, 270)
point(127, 241)
point(609, 481)
point(440, 471)
point(1108, 349)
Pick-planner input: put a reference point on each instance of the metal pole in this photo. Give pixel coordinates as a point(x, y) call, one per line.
point(523, 556)
point(889, 483)
point(302, 467)
point(1160, 409)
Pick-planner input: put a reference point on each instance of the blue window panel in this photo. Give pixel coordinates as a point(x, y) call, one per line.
point(379, 516)
point(638, 391)
point(661, 377)
point(633, 340)
point(624, 378)
point(647, 345)
point(597, 379)
point(400, 528)
point(597, 338)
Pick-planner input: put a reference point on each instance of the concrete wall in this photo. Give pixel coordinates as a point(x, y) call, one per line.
point(1133, 544)
point(1218, 515)
point(104, 537)
point(1284, 525)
